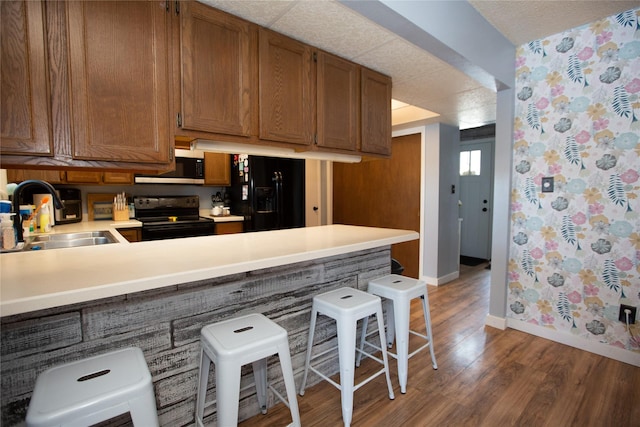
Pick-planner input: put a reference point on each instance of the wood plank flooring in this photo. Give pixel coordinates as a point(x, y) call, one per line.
point(485, 377)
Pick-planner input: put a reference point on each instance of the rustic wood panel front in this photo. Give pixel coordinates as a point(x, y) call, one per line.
point(166, 325)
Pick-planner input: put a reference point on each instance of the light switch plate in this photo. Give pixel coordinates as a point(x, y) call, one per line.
point(547, 185)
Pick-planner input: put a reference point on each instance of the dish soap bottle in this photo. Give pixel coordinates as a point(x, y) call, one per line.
point(45, 226)
point(8, 232)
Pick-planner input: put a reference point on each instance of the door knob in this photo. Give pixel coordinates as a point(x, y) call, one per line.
point(315, 208)
point(484, 209)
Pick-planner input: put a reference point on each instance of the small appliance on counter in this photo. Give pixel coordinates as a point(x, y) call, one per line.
point(72, 211)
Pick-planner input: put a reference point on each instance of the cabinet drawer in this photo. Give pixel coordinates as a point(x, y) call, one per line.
point(229, 227)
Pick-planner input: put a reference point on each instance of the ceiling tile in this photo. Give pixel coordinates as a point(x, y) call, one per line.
point(258, 11)
point(332, 27)
point(403, 60)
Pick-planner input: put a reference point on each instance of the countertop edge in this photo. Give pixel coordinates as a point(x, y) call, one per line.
point(122, 287)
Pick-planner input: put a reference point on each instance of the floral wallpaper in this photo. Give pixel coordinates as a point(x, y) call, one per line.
point(575, 252)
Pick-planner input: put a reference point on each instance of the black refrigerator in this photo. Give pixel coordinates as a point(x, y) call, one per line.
point(268, 192)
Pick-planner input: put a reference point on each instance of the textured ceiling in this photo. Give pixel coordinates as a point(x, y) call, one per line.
point(419, 78)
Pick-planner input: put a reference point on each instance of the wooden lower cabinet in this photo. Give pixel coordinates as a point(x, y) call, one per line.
point(131, 234)
point(229, 227)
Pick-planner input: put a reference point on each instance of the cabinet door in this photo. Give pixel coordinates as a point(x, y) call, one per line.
point(338, 102)
point(119, 80)
point(229, 227)
point(84, 177)
point(285, 89)
point(51, 176)
point(25, 125)
point(217, 169)
point(376, 113)
point(131, 234)
point(215, 68)
point(121, 178)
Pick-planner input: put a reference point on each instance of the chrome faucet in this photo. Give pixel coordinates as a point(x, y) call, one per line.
point(17, 195)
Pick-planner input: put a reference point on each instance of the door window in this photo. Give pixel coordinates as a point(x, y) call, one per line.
point(470, 163)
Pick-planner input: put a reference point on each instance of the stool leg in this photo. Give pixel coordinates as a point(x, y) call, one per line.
point(365, 325)
point(401, 317)
point(289, 383)
point(379, 318)
point(205, 364)
point(427, 321)
point(227, 393)
point(260, 377)
point(143, 410)
point(312, 327)
point(346, 356)
point(391, 330)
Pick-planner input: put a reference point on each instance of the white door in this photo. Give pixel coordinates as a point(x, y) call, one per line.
point(318, 190)
point(476, 170)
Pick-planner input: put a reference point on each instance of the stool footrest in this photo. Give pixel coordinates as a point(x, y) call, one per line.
point(355, 386)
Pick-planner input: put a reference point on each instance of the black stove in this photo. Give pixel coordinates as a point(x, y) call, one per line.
point(171, 217)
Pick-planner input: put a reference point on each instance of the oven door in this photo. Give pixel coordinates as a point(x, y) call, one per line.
point(176, 230)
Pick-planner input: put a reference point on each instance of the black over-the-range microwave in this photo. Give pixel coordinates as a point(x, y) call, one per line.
point(189, 170)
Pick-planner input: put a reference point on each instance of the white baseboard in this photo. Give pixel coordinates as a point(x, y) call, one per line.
point(605, 350)
point(441, 280)
point(496, 322)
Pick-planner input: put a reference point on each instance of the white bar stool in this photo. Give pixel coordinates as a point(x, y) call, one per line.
point(346, 306)
point(398, 292)
point(232, 343)
point(95, 389)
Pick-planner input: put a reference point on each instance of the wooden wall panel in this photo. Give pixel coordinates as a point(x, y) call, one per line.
point(383, 193)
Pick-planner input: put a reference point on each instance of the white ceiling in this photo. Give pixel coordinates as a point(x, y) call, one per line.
point(419, 78)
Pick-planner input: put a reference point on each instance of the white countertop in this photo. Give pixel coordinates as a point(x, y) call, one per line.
point(43, 279)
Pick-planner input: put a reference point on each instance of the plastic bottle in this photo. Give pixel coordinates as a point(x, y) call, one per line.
point(45, 226)
point(8, 232)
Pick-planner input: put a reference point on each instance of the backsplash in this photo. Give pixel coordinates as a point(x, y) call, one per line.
point(575, 252)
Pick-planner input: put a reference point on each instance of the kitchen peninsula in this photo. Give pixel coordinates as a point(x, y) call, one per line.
point(61, 305)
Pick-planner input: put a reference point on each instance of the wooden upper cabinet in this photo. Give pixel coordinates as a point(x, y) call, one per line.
point(376, 113)
point(285, 89)
point(119, 80)
point(51, 176)
point(337, 102)
point(217, 169)
point(25, 126)
point(84, 177)
point(215, 66)
point(120, 178)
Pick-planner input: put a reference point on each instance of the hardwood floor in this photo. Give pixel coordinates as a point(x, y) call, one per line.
point(485, 377)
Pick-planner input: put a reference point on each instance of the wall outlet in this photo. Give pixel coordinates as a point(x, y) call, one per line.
point(547, 185)
point(622, 316)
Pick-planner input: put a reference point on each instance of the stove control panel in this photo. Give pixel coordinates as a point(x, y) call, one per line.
point(166, 202)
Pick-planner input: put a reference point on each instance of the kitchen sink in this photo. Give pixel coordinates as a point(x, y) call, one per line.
point(69, 240)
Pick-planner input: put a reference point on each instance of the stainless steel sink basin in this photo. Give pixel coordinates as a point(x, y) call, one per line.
point(69, 240)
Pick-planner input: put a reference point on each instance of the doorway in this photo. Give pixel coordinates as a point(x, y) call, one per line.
point(476, 197)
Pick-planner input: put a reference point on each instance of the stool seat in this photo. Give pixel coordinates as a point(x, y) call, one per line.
point(398, 292)
point(229, 345)
point(346, 306)
point(95, 389)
